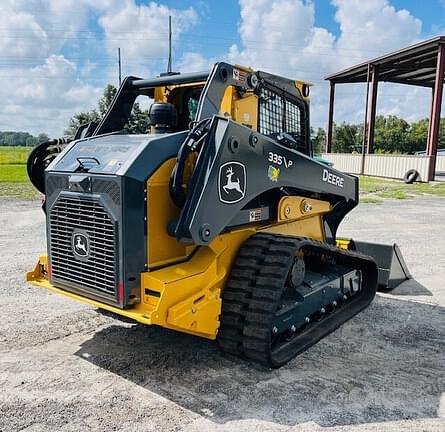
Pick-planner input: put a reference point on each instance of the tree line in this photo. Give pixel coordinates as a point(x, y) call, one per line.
point(392, 135)
point(13, 139)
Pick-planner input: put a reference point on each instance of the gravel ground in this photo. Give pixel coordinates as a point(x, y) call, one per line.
point(64, 367)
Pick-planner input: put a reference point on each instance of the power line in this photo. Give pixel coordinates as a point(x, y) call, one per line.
point(160, 36)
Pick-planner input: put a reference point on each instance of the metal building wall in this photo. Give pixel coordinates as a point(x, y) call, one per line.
point(390, 166)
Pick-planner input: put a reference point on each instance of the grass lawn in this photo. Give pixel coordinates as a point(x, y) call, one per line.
point(374, 190)
point(14, 181)
point(14, 155)
point(12, 173)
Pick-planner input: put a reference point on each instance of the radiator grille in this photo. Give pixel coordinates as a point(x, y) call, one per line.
point(97, 272)
point(56, 183)
point(108, 187)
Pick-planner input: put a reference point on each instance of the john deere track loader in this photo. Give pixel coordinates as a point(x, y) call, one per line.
point(217, 222)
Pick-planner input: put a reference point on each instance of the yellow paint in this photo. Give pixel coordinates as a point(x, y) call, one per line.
point(162, 248)
point(186, 296)
point(241, 108)
point(247, 69)
point(294, 207)
point(343, 243)
point(299, 85)
point(245, 110)
point(311, 228)
point(161, 94)
point(226, 102)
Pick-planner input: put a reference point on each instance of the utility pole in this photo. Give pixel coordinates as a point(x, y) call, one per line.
point(119, 65)
point(169, 65)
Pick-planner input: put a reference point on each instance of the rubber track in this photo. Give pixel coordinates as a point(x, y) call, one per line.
point(237, 292)
point(252, 295)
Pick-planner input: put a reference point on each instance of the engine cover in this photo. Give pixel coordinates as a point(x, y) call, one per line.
point(96, 214)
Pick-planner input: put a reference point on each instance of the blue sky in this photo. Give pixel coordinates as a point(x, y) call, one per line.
point(431, 12)
point(217, 27)
point(61, 54)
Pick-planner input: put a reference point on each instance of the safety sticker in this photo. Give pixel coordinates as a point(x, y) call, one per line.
point(239, 75)
point(255, 215)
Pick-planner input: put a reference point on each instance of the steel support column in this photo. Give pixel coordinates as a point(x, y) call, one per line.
point(372, 110)
point(365, 122)
point(330, 118)
point(429, 121)
point(433, 135)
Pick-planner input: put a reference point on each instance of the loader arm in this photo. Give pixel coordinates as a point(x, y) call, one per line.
point(236, 167)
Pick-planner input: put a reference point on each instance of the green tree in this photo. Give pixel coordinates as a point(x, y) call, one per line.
point(391, 135)
point(318, 140)
point(8, 138)
point(441, 143)
point(347, 138)
point(417, 135)
point(31, 141)
point(137, 123)
point(106, 99)
point(81, 118)
point(42, 137)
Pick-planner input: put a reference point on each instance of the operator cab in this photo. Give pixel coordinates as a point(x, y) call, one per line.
point(273, 106)
point(176, 111)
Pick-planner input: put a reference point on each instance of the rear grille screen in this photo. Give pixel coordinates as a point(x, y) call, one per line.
point(90, 265)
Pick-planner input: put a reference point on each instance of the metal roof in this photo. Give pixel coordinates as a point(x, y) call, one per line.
point(413, 65)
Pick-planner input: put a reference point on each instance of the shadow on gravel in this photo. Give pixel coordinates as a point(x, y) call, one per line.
point(386, 364)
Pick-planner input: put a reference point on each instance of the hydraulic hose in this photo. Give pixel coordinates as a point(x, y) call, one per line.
point(193, 143)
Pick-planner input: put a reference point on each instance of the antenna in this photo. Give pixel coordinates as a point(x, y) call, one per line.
point(169, 66)
point(119, 65)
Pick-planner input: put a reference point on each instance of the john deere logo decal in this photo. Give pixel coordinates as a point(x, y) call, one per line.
point(81, 244)
point(232, 182)
point(273, 173)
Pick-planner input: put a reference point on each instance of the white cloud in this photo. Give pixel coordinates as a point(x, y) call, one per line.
point(44, 98)
point(32, 28)
point(281, 36)
point(374, 27)
point(370, 29)
point(21, 34)
point(194, 62)
point(46, 93)
point(141, 31)
point(276, 34)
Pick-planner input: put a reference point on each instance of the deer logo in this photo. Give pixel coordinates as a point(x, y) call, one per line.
point(81, 245)
point(232, 182)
